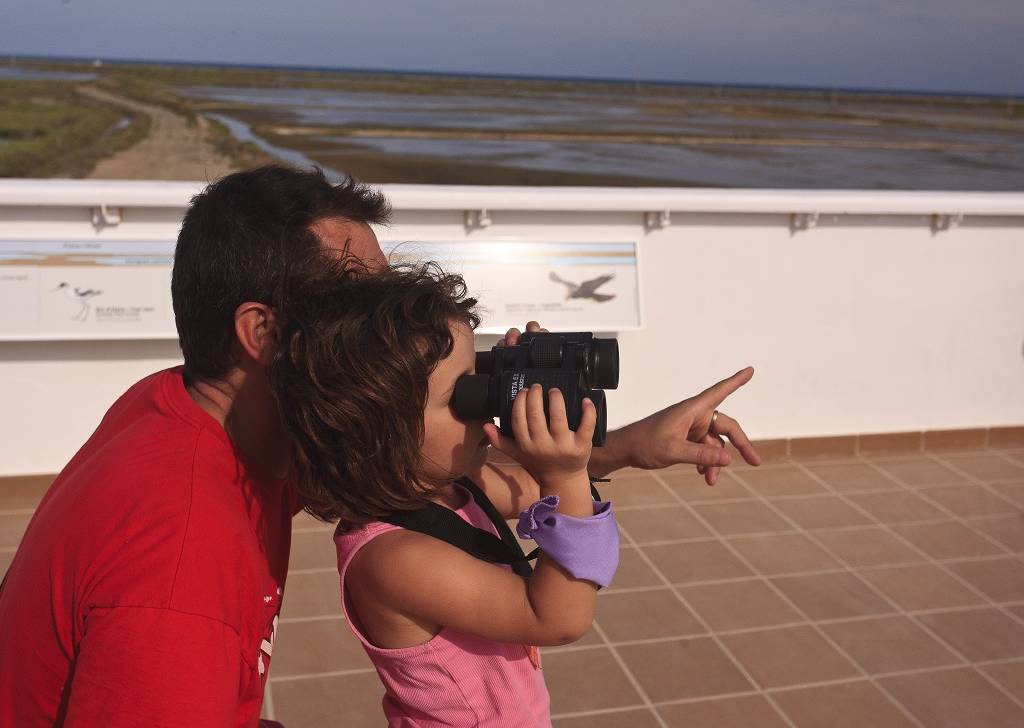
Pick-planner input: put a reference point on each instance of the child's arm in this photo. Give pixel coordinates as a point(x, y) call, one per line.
point(435, 584)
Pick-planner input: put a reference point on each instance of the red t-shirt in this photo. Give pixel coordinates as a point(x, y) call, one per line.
point(147, 587)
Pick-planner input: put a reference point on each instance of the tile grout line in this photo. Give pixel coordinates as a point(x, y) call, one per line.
point(943, 564)
point(629, 673)
point(949, 572)
point(700, 619)
point(811, 623)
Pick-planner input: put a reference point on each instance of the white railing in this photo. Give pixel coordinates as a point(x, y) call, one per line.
point(863, 311)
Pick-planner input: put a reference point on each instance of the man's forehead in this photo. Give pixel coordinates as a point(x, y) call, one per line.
point(348, 237)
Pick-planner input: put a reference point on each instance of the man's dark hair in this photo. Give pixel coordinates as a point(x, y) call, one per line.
point(351, 376)
point(236, 244)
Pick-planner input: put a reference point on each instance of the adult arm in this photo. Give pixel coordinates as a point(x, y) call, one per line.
point(681, 433)
point(140, 666)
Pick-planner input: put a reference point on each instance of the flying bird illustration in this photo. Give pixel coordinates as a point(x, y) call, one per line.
point(79, 295)
point(586, 289)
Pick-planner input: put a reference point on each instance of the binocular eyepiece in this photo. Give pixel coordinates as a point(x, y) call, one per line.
point(577, 364)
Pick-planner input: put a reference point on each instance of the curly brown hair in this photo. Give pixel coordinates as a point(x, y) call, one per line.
point(350, 377)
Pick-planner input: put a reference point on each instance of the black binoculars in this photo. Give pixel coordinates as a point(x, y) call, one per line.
point(577, 364)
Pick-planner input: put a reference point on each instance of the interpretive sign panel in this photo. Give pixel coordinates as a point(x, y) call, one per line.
point(120, 289)
point(85, 289)
point(566, 286)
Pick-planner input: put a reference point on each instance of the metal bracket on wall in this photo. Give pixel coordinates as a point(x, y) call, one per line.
point(941, 222)
point(657, 220)
point(803, 221)
point(103, 216)
point(476, 219)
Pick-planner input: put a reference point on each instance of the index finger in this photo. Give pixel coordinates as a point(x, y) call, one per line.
point(716, 393)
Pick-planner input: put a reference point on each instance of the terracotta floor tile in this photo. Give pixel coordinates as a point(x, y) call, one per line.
point(1006, 438)
point(952, 440)
point(1008, 674)
point(312, 595)
point(823, 512)
point(947, 540)
point(744, 711)
point(690, 486)
point(687, 668)
point(832, 596)
point(12, 528)
point(636, 490)
point(316, 702)
point(782, 480)
point(645, 615)
point(633, 571)
point(696, 561)
point(922, 586)
point(1002, 580)
point(783, 554)
point(979, 634)
point(732, 519)
point(868, 547)
point(825, 448)
point(847, 705)
point(919, 471)
point(1009, 530)
point(661, 523)
point(302, 648)
point(788, 656)
point(1013, 491)
point(889, 644)
point(970, 500)
point(589, 679)
point(739, 605)
point(897, 507)
point(985, 467)
point(889, 443)
point(313, 550)
point(852, 477)
point(23, 491)
point(954, 699)
point(634, 718)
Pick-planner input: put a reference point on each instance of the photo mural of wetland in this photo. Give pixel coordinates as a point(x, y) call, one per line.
point(412, 128)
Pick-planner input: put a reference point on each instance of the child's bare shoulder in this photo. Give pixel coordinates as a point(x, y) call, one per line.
point(397, 563)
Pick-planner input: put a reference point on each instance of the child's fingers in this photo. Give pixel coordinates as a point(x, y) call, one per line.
point(588, 423)
point(535, 412)
point(556, 411)
point(520, 428)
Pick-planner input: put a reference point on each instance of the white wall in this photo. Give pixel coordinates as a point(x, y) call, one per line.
point(869, 322)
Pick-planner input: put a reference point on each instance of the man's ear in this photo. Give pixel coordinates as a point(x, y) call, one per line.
point(256, 328)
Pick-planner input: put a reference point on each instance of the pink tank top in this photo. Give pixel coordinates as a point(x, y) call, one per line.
point(455, 678)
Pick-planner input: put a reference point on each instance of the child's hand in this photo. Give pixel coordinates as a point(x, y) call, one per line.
point(553, 454)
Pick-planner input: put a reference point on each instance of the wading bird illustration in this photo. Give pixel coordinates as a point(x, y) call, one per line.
point(79, 295)
point(586, 289)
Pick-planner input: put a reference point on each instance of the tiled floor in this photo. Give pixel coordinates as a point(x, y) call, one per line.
point(869, 591)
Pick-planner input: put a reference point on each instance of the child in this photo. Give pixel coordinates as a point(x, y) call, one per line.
point(366, 376)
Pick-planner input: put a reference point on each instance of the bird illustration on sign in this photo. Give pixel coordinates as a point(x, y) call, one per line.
point(81, 296)
point(586, 289)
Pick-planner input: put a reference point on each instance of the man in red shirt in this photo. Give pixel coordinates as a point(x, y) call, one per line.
point(147, 587)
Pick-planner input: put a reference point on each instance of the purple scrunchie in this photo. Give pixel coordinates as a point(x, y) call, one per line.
point(588, 548)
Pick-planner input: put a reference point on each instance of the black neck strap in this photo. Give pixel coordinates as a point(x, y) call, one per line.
point(446, 525)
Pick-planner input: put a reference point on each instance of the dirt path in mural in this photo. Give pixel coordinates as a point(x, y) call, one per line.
point(173, 150)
